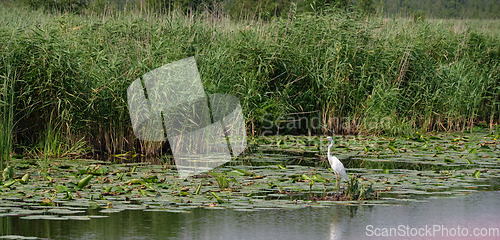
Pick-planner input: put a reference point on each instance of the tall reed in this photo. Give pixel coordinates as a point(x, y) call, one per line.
point(6, 112)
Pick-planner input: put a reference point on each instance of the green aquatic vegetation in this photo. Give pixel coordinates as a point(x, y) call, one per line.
point(84, 181)
point(130, 155)
point(25, 178)
point(392, 148)
point(222, 181)
point(439, 149)
point(219, 199)
point(355, 191)
point(240, 172)
point(8, 173)
point(266, 177)
point(447, 160)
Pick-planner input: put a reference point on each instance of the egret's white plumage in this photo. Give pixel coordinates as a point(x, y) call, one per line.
point(335, 163)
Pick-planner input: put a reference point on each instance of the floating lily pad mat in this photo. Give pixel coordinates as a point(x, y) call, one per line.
point(278, 172)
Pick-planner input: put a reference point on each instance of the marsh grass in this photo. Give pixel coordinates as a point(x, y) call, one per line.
point(55, 143)
point(7, 116)
point(356, 191)
point(358, 74)
point(222, 181)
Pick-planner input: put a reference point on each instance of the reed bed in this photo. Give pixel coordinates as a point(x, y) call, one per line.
point(341, 72)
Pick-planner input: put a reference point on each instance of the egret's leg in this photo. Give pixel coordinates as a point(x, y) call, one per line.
point(336, 182)
point(324, 189)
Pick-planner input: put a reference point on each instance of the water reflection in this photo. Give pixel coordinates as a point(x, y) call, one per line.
point(478, 210)
point(337, 224)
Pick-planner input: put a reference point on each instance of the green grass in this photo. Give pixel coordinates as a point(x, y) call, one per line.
point(350, 73)
point(6, 113)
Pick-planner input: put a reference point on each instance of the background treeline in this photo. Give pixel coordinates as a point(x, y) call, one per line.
point(64, 76)
point(444, 8)
point(270, 8)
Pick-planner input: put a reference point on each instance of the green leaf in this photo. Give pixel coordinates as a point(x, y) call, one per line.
point(454, 148)
point(151, 179)
point(245, 173)
point(305, 177)
point(8, 173)
point(318, 178)
point(198, 189)
point(281, 166)
point(219, 199)
point(10, 183)
point(93, 206)
point(61, 188)
point(235, 173)
point(473, 151)
point(438, 149)
point(135, 181)
point(366, 149)
point(25, 178)
point(69, 196)
point(84, 181)
point(476, 173)
point(393, 149)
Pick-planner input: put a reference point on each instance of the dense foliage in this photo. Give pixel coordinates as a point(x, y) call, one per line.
point(445, 8)
point(270, 8)
point(64, 76)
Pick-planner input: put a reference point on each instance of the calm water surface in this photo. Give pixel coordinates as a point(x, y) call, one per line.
point(446, 218)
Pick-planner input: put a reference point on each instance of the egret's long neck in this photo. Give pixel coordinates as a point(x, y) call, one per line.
point(329, 146)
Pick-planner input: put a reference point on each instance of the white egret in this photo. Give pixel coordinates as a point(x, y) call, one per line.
point(335, 164)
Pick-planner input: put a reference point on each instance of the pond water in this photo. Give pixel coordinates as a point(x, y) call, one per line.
point(441, 187)
point(438, 218)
